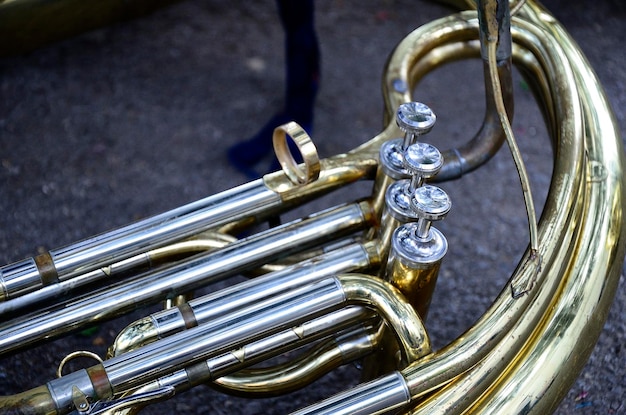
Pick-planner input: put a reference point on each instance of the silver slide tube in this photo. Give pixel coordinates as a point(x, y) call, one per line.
point(150, 288)
point(81, 257)
point(346, 318)
point(237, 297)
point(203, 342)
point(357, 340)
point(376, 397)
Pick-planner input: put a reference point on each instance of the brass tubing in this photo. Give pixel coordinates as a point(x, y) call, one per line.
point(416, 284)
point(555, 239)
point(33, 401)
point(577, 190)
point(394, 308)
point(422, 51)
point(551, 358)
point(594, 275)
point(296, 373)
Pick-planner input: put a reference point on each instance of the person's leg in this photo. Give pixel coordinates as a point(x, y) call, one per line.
point(302, 81)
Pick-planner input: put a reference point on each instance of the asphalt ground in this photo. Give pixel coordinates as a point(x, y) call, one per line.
point(134, 119)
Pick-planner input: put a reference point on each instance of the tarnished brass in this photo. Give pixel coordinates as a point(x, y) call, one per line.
point(525, 341)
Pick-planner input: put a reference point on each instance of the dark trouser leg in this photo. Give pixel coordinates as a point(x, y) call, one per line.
point(302, 78)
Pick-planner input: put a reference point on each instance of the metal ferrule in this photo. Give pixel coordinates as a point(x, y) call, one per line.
point(500, 29)
point(203, 342)
point(151, 288)
point(356, 343)
point(61, 389)
point(376, 397)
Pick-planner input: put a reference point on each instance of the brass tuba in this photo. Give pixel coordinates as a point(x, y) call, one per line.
point(353, 283)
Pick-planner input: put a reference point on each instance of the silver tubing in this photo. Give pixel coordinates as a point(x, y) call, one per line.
point(355, 342)
point(151, 288)
point(294, 337)
point(90, 254)
point(61, 389)
point(376, 397)
point(62, 288)
point(202, 342)
point(168, 355)
point(237, 297)
point(18, 278)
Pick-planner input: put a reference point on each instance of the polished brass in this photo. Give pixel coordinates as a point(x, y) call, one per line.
point(416, 284)
point(311, 163)
point(526, 340)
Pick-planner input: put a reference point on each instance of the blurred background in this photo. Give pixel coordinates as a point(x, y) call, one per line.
point(135, 118)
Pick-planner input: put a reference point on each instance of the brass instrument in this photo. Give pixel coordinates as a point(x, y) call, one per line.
point(355, 280)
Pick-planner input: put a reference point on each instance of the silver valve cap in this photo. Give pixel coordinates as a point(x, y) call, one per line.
point(422, 161)
point(415, 119)
point(430, 203)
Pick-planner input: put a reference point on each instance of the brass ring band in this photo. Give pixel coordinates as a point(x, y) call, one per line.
point(296, 174)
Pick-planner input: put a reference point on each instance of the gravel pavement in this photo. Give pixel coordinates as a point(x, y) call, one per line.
point(134, 119)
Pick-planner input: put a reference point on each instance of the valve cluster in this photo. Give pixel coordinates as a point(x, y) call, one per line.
point(416, 247)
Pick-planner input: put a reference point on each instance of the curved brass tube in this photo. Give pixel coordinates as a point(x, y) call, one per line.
point(306, 368)
point(394, 308)
point(585, 190)
point(422, 51)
